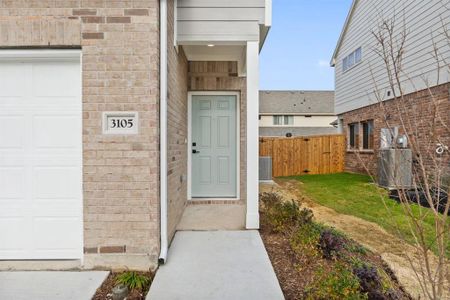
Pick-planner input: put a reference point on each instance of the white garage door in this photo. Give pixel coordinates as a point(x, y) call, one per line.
point(40, 155)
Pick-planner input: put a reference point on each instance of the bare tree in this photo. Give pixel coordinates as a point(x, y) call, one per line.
point(426, 127)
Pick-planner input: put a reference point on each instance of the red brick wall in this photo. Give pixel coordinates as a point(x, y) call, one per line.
point(417, 111)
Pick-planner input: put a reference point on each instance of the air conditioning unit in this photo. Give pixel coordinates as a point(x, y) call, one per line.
point(387, 137)
point(395, 168)
point(265, 168)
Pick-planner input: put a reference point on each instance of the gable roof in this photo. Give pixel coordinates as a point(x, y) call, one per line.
point(344, 30)
point(296, 102)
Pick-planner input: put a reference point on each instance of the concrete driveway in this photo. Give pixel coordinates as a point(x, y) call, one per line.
point(216, 265)
point(50, 285)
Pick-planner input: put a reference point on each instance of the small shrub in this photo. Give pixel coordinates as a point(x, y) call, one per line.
point(338, 283)
point(133, 280)
point(283, 215)
point(331, 243)
point(269, 200)
point(394, 294)
point(309, 234)
point(356, 248)
point(305, 239)
point(369, 281)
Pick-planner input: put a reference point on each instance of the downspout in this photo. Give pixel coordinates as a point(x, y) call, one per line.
point(163, 130)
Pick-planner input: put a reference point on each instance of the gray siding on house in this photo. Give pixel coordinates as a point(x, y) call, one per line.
point(424, 25)
point(296, 131)
point(220, 20)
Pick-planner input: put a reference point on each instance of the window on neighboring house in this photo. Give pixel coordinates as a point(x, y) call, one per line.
point(353, 136)
point(283, 120)
point(352, 59)
point(288, 120)
point(367, 127)
point(345, 64)
point(358, 55)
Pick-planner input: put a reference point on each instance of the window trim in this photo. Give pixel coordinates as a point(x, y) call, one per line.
point(359, 137)
point(355, 136)
point(346, 60)
point(370, 135)
point(283, 120)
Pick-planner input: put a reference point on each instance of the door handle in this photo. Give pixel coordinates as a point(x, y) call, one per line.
point(195, 151)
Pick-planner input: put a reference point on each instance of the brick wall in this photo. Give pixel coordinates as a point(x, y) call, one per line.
point(417, 111)
point(176, 127)
point(120, 45)
point(222, 76)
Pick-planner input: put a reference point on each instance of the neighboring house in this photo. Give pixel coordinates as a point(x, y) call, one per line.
point(114, 115)
point(296, 113)
point(361, 74)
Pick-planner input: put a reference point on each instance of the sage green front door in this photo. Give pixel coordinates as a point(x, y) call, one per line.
point(214, 148)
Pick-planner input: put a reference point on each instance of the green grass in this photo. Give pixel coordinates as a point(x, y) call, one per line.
point(355, 194)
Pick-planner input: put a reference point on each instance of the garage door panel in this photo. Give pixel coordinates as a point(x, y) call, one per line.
point(50, 131)
point(56, 183)
point(12, 183)
point(41, 208)
point(50, 233)
point(12, 132)
point(50, 79)
point(9, 85)
point(56, 209)
point(16, 225)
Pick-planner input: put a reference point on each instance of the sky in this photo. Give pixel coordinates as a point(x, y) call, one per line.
point(298, 49)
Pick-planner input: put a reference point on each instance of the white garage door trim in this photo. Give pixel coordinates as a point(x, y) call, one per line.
point(71, 54)
point(41, 152)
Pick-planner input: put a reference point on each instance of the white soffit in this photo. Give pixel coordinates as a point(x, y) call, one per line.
point(216, 53)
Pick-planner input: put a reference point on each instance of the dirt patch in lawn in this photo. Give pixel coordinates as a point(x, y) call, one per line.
point(104, 292)
point(392, 249)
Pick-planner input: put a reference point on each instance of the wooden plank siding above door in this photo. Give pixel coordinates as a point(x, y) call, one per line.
point(304, 155)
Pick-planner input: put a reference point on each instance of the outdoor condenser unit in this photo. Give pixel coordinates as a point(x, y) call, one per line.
point(265, 168)
point(395, 168)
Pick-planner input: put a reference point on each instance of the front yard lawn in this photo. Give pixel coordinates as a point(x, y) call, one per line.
point(357, 195)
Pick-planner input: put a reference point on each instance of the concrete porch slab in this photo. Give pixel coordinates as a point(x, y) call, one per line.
point(50, 285)
point(214, 265)
point(213, 217)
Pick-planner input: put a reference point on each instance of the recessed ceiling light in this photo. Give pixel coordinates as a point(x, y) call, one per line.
point(211, 45)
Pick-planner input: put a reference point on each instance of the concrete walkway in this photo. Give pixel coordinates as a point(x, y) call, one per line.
point(212, 265)
point(213, 217)
point(49, 285)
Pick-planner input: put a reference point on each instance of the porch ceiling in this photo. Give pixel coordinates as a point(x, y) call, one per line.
point(213, 52)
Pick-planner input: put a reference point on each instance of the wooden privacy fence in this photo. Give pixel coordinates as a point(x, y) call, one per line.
point(304, 155)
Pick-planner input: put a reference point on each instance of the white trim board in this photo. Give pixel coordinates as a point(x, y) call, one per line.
point(34, 54)
point(238, 145)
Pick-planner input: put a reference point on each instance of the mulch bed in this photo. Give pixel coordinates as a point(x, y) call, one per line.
point(104, 292)
point(296, 271)
point(284, 260)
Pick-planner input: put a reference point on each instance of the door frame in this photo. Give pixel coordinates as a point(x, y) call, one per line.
point(189, 142)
